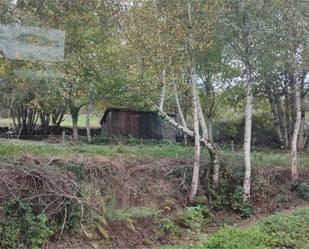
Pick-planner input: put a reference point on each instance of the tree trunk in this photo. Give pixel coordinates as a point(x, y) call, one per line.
point(210, 133)
point(197, 145)
point(232, 145)
point(287, 112)
point(297, 104)
point(302, 136)
point(162, 98)
point(45, 119)
point(247, 135)
point(276, 118)
point(282, 119)
point(180, 112)
point(214, 155)
point(57, 118)
point(293, 85)
point(74, 114)
point(88, 117)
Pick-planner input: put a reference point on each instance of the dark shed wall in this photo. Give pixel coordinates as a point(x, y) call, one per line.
point(121, 123)
point(150, 125)
point(168, 132)
point(146, 125)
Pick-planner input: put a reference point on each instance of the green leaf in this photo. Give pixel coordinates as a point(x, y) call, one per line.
point(103, 232)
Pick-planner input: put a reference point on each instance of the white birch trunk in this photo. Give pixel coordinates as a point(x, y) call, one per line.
point(294, 166)
point(162, 98)
point(214, 155)
point(302, 136)
point(181, 115)
point(247, 135)
point(197, 145)
point(210, 130)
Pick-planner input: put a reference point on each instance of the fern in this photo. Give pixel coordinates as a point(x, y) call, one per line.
point(111, 214)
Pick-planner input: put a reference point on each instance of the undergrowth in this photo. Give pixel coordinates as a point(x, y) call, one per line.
point(45, 197)
point(22, 227)
point(278, 231)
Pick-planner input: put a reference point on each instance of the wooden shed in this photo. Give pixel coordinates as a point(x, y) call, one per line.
point(138, 124)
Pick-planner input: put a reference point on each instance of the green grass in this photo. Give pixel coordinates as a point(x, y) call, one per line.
point(94, 121)
point(67, 122)
point(19, 148)
point(163, 150)
point(5, 122)
point(278, 231)
point(273, 158)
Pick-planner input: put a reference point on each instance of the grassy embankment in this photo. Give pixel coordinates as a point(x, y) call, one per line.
point(280, 231)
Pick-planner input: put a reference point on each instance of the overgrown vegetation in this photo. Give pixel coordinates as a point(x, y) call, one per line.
point(22, 226)
point(227, 79)
point(279, 231)
point(111, 193)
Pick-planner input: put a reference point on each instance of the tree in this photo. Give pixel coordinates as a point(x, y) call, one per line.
point(89, 69)
point(245, 30)
point(185, 30)
point(284, 73)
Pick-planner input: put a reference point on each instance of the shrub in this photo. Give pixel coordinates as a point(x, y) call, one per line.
point(278, 231)
point(112, 214)
point(239, 204)
point(9, 233)
point(192, 218)
point(235, 238)
point(21, 224)
point(303, 190)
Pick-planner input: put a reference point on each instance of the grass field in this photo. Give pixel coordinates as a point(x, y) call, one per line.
point(272, 158)
point(67, 122)
point(94, 121)
point(18, 148)
point(5, 122)
point(277, 231)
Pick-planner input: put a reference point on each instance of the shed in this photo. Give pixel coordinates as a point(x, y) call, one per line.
point(138, 124)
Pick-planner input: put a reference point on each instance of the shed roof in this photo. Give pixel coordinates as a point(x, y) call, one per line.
point(121, 109)
point(125, 109)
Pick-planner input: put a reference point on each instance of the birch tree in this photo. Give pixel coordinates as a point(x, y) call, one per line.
point(245, 31)
point(183, 30)
point(292, 25)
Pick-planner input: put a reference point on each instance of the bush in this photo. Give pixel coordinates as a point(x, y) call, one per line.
point(288, 231)
point(263, 133)
point(235, 238)
point(21, 225)
point(192, 218)
point(303, 190)
point(229, 193)
point(239, 204)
